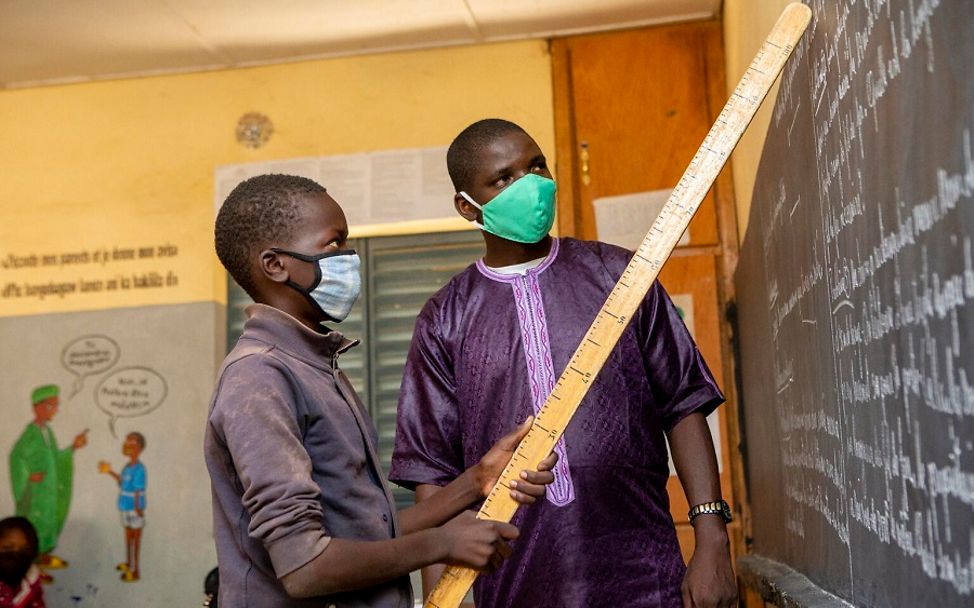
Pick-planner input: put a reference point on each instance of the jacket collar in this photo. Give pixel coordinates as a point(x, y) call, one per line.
point(276, 327)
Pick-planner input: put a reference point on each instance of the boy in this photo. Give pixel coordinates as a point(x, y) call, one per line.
point(300, 507)
point(488, 348)
point(131, 502)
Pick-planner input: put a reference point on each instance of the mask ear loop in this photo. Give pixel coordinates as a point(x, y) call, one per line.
point(313, 260)
point(474, 203)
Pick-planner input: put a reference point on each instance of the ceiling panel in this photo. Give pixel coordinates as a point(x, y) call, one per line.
point(54, 40)
point(250, 31)
point(49, 41)
point(498, 19)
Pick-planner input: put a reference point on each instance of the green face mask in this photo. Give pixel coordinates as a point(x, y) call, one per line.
point(523, 212)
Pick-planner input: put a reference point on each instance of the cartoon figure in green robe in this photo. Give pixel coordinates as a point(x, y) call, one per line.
point(41, 475)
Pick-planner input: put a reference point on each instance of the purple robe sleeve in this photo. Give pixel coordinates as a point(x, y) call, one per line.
point(679, 378)
point(428, 446)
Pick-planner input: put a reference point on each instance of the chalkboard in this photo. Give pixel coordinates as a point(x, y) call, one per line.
point(856, 307)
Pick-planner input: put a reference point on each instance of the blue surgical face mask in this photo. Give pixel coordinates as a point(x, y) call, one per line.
point(523, 212)
point(337, 281)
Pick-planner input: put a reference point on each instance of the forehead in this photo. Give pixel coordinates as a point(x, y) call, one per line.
point(320, 212)
point(508, 149)
point(13, 537)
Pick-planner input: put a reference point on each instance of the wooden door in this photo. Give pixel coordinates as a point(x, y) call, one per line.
point(631, 109)
point(638, 109)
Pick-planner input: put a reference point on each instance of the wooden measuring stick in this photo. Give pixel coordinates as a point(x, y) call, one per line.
point(564, 400)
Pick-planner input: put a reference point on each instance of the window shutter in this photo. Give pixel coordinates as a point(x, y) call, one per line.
point(403, 273)
point(354, 361)
point(237, 301)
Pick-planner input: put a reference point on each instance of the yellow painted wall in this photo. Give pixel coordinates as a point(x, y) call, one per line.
point(129, 164)
point(746, 24)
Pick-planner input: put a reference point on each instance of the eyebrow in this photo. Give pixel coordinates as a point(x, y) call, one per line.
point(507, 168)
point(499, 173)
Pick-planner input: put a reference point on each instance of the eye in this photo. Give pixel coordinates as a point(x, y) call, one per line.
point(502, 181)
point(540, 167)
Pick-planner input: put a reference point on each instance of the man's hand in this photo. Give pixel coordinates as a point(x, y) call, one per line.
point(81, 440)
point(37, 477)
point(531, 485)
point(476, 543)
point(709, 581)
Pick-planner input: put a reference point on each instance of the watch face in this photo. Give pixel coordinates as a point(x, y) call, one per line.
point(726, 512)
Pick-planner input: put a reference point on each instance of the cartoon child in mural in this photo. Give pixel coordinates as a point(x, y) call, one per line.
point(131, 502)
point(42, 474)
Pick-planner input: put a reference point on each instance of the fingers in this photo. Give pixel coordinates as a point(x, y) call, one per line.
point(506, 530)
point(548, 463)
point(510, 441)
point(522, 499)
point(495, 562)
point(524, 495)
point(503, 549)
point(527, 492)
point(538, 478)
point(532, 484)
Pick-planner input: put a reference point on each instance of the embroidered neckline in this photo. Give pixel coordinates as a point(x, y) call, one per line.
point(488, 272)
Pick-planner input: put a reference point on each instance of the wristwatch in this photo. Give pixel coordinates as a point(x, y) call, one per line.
point(719, 507)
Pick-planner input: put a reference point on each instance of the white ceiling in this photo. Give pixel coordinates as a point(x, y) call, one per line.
point(58, 41)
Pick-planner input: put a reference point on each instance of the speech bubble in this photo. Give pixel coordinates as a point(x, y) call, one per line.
point(130, 392)
point(87, 356)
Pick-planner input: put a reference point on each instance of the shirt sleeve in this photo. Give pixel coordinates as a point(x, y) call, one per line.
point(19, 469)
point(428, 446)
point(138, 478)
point(256, 414)
point(679, 378)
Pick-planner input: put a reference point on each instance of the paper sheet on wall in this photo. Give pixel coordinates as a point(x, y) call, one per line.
point(684, 305)
point(625, 219)
point(372, 188)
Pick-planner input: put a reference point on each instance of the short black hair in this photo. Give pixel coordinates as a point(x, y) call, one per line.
point(464, 152)
point(23, 524)
point(139, 438)
point(260, 210)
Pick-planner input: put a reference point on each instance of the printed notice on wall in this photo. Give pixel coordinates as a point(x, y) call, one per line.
point(624, 220)
point(372, 188)
point(43, 274)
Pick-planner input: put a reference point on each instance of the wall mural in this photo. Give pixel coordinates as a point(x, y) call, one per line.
point(102, 440)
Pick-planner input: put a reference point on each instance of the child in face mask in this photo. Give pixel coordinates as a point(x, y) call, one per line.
point(20, 579)
point(300, 506)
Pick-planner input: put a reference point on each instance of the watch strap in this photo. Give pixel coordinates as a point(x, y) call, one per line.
point(716, 507)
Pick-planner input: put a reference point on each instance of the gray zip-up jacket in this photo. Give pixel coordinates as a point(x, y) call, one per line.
point(291, 453)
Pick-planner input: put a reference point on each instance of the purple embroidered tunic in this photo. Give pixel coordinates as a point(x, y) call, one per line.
point(486, 351)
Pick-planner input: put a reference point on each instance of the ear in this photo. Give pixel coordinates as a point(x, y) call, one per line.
point(465, 209)
point(273, 267)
